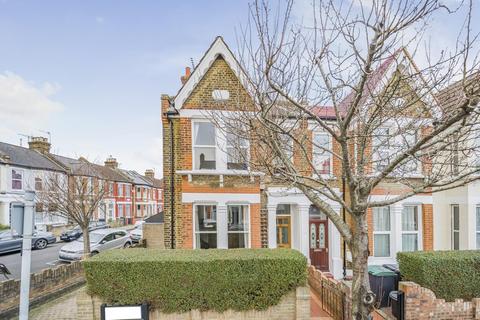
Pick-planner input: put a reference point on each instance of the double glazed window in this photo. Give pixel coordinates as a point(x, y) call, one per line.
point(17, 179)
point(322, 156)
point(237, 152)
point(237, 226)
point(381, 148)
point(230, 230)
point(120, 210)
point(477, 227)
point(205, 226)
point(410, 228)
point(38, 184)
point(455, 227)
point(381, 232)
point(204, 145)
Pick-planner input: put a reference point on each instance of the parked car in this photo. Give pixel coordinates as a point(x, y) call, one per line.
point(137, 233)
point(10, 240)
point(100, 240)
point(76, 232)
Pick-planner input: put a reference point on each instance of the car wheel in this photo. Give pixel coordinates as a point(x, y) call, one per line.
point(93, 253)
point(41, 244)
point(127, 245)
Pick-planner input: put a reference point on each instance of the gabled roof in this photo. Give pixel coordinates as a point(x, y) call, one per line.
point(217, 48)
point(27, 158)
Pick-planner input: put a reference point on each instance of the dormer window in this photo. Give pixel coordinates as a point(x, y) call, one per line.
point(220, 95)
point(204, 146)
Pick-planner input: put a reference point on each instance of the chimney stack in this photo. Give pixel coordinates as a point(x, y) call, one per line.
point(186, 76)
point(149, 173)
point(39, 144)
point(111, 162)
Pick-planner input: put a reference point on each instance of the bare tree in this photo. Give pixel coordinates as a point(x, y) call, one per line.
point(76, 197)
point(345, 71)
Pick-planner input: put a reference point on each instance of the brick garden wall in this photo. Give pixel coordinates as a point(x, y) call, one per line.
point(294, 305)
point(43, 285)
point(422, 304)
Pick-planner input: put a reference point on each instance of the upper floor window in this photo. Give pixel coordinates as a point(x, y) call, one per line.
point(381, 232)
point(322, 156)
point(110, 188)
point(204, 145)
point(286, 149)
point(237, 152)
point(38, 184)
point(410, 228)
point(381, 148)
point(139, 192)
point(120, 190)
point(128, 191)
point(17, 179)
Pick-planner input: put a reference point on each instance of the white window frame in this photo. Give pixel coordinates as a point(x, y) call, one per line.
point(419, 230)
point(329, 152)
point(389, 233)
point(452, 226)
point(214, 147)
point(120, 187)
point(248, 232)
point(40, 181)
point(17, 171)
point(477, 225)
point(195, 232)
point(385, 146)
point(247, 147)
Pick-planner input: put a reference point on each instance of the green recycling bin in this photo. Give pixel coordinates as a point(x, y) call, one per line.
point(382, 282)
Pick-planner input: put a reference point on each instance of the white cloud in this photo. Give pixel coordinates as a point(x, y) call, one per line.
point(24, 106)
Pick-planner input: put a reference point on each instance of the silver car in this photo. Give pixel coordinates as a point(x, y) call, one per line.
point(100, 240)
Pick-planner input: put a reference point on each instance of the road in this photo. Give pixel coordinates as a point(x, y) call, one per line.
point(41, 259)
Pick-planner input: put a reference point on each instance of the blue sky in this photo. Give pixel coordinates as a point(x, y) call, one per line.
point(102, 66)
point(92, 72)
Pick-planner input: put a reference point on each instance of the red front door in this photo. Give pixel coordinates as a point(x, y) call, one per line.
point(319, 244)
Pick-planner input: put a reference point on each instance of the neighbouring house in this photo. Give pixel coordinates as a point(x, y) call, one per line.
point(217, 202)
point(24, 169)
point(457, 211)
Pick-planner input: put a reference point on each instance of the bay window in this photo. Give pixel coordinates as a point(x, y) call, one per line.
point(17, 179)
point(238, 227)
point(237, 152)
point(410, 221)
point(205, 217)
point(322, 156)
point(381, 231)
point(204, 145)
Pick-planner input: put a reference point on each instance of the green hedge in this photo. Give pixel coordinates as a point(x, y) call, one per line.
point(183, 280)
point(449, 274)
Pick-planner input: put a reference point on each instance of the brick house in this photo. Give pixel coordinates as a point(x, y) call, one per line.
point(218, 203)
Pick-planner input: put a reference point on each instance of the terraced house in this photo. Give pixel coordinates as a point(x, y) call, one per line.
point(23, 169)
point(218, 201)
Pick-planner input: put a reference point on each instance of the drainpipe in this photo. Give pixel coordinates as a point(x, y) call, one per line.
point(344, 243)
point(170, 114)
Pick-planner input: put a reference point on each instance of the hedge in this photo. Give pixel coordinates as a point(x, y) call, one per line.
point(449, 274)
point(183, 280)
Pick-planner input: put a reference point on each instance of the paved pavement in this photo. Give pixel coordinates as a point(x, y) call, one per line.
point(41, 259)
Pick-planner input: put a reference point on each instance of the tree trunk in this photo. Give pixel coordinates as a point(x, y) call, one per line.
point(362, 297)
point(86, 242)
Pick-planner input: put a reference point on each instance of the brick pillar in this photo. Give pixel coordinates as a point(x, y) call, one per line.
point(427, 224)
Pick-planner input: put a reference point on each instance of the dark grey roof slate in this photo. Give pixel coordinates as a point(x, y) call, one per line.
point(156, 218)
point(25, 157)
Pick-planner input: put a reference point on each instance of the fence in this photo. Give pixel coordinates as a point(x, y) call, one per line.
point(334, 295)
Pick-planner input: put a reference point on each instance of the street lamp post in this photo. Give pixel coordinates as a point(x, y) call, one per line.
point(26, 254)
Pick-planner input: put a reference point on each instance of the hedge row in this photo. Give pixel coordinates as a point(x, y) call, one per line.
point(183, 280)
point(449, 274)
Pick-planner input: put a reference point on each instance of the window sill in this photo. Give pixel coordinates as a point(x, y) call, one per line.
point(213, 172)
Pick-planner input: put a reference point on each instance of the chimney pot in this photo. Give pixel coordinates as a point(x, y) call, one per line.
point(39, 144)
point(111, 162)
point(149, 173)
point(185, 77)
